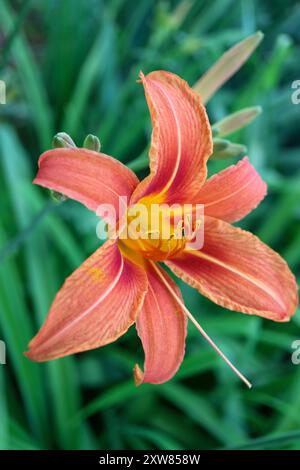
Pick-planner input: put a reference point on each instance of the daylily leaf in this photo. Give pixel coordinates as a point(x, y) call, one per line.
point(226, 66)
point(236, 121)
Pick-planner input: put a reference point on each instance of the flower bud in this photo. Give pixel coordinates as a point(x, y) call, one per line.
point(236, 121)
point(92, 142)
point(57, 197)
point(63, 140)
point(226, 149)
point(226, 66)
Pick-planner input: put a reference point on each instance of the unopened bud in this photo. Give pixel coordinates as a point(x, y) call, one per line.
point(63, 140)
point(92, 142)
point(58, 197)
point(225, 149)
point(226, 66)
point(236, 121)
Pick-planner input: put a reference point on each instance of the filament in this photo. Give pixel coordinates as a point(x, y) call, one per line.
point(199, 327)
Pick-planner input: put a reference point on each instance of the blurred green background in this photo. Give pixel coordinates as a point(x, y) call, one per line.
point(72, 66)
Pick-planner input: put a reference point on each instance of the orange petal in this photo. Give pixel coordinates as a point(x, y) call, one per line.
point(234, 192)
point(161, 325)
point(89, 177)
point(96, 305)
point(236, 270)
point(181, 139)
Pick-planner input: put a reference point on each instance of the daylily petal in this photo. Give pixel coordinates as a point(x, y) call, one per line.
point(161, 325)
point(89, 177)
point(236, 270)
point(181, 139)
point(234, 192)
point(96, 305)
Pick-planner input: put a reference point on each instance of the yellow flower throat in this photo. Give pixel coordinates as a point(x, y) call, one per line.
point(152, 231)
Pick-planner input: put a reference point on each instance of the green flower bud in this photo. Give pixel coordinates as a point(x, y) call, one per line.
point(236, 121)
point(57, 197)
point(92, 142)
point(63, 140)
point(226, 149)
point(230, 62)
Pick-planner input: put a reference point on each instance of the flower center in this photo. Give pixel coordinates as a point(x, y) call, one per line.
point(154, 230)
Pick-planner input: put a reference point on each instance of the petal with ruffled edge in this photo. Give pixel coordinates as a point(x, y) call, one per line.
point(96, 305)
point(89, 177)
point(234, 192)
point(161, 325)
point(181, 139)
point(237, 271)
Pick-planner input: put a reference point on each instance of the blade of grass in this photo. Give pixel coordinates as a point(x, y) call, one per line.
point(30, 76)
point(273, 440)
point(268, 75)
point(91, 70)
point(198, 410)
point(4, 430)
point(43, 285)
point(24, 10)
point(154, 436)
point(16, 325)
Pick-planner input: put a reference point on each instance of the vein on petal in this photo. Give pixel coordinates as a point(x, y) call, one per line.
point(245, 276)
point(241, 188)
point(109, 288)
point(179, 144)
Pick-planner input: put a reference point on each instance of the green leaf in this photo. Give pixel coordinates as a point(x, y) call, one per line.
point(270, 441)
point(198, 410)
point(30, 77)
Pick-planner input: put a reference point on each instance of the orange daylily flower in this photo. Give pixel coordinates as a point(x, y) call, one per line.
point(122, 282)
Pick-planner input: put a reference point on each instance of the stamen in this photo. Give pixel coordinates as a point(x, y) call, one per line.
point(199, 327)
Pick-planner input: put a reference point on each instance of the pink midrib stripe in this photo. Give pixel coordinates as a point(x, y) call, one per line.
point(231, 194)
point(179, 150)
point(109, 288)
point(261, 286)
point(46, 181)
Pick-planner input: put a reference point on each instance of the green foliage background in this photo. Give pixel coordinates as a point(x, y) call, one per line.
point(72, 65)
